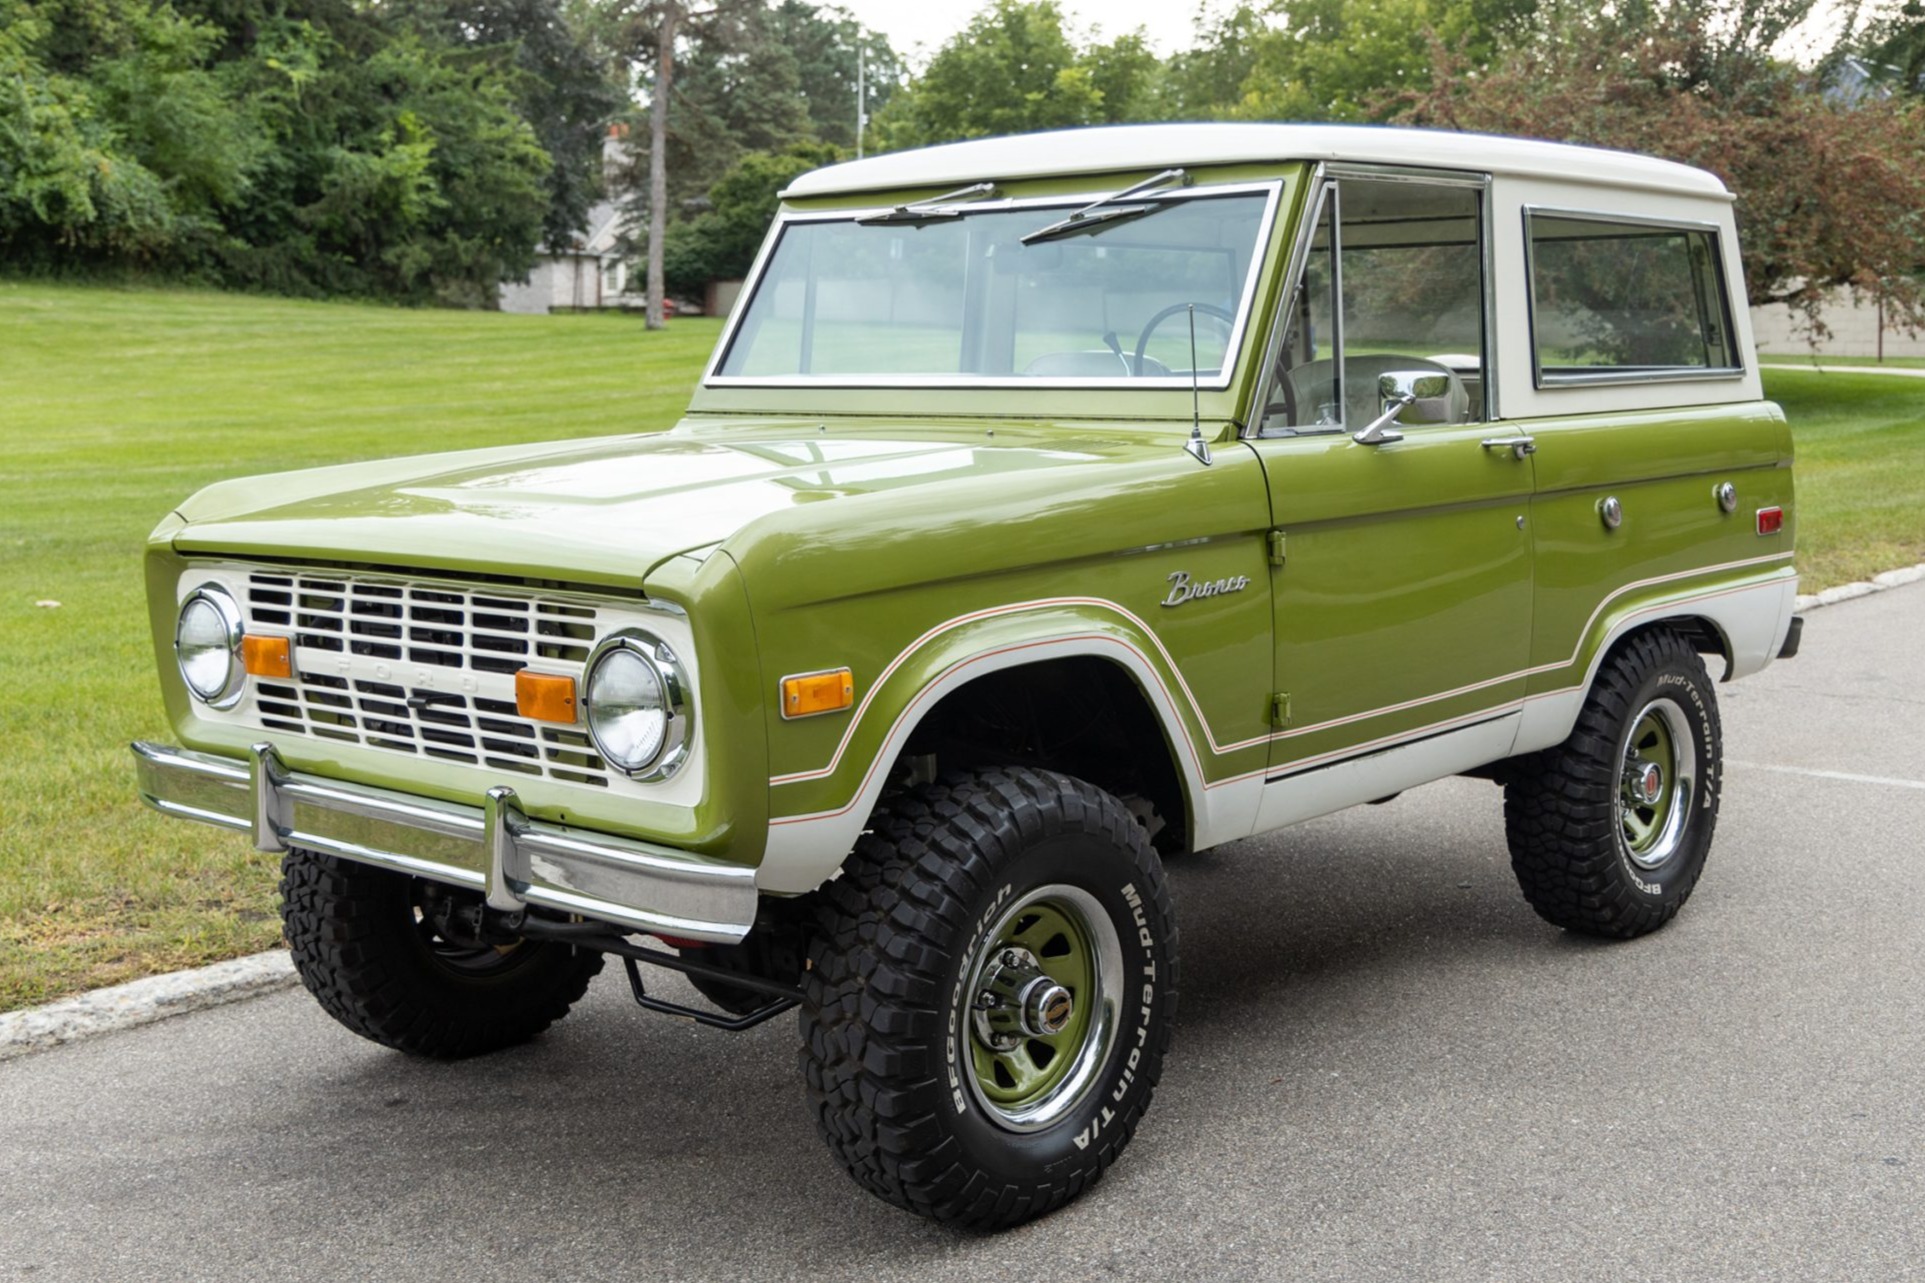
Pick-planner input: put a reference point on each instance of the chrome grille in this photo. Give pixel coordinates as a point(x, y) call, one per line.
point(445, 656)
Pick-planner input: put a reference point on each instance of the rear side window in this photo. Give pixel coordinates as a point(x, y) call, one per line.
point(1619, 301)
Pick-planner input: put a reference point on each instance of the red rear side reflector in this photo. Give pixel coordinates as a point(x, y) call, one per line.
point(1770, 520)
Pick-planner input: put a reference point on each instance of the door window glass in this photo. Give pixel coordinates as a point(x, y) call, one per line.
point(1393, 289)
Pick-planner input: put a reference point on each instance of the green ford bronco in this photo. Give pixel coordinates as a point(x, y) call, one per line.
point(1052, 506)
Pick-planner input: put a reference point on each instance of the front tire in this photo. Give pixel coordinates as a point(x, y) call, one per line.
point(372, 957)
point(1609, 830)
point(992, 990)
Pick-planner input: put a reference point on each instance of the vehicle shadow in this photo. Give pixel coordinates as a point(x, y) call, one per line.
point(651, 1127)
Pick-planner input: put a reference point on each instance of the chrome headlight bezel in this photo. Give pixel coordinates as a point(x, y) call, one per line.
point(222, 602)
point(679, 728)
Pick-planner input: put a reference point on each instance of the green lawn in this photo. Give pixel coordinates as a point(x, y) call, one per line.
point(1871, 362)
point(1861, 472)
point(114, 405)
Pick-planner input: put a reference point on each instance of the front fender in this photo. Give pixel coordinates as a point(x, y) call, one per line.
point(818, 813)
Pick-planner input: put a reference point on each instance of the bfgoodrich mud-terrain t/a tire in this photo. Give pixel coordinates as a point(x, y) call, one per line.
point(1609, 830)
point(375, 961)
point(991, 993)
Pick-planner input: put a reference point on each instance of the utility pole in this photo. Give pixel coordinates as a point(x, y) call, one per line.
point(862, 93)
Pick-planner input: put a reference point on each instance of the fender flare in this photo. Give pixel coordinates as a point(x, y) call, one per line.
point(816, 815)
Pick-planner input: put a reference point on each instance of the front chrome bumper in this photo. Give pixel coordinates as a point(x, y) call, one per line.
point(495, 849)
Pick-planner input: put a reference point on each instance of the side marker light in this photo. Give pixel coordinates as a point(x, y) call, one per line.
point(807, 694)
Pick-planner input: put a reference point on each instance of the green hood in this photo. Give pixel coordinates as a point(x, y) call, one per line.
point(608, 510)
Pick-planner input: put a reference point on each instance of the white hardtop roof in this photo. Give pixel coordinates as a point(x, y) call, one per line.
point(1118, 148)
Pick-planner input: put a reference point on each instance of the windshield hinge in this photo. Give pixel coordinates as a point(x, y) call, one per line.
point(1276, 547)
point(1280, 709)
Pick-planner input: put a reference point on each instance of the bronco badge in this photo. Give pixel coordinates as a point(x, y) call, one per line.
point(1183, 588)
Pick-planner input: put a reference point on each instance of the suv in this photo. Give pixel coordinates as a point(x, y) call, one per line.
point(1052, 506)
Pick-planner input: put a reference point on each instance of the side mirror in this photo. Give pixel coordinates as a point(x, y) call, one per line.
point(1423, 395)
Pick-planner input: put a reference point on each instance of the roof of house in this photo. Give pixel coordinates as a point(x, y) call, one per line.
point(600, 238)
point(1120, 148)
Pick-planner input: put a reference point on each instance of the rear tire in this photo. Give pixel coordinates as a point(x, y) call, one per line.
point(376, 964)
point(992, 991)
point(1609, 830)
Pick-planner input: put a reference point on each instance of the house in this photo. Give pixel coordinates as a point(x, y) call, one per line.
point(588, 274)
point(592, 270)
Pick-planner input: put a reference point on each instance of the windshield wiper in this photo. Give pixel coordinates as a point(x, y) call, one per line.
point(1113, 209)
point(927, 210)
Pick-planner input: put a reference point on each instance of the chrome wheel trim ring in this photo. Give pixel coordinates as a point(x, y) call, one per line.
point(1681, 775)
point(1107, 949)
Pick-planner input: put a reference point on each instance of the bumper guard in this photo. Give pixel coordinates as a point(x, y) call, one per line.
point(496, 849)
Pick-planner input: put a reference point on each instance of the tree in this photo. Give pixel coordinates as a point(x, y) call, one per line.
point(305, 146)
point(823, 43)
point(653, 30)
point(1205, 81)
point(1014, 69)
point(720, 243)
point(1829, 193)
point(564, 86)
point(1346, 60)
point(1894, 48)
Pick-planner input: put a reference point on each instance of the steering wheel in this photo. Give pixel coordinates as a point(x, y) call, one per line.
point(1143, 339)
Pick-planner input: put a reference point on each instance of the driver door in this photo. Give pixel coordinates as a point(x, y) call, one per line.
point(1403, 604)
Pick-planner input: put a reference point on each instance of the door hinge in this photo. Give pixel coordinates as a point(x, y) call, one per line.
point(1276, 547)
point(1280, 709)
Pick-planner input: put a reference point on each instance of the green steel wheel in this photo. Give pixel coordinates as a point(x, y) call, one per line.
point(990, 994)
point(1047, 979)
point(1609, 831)
point(1659, 784)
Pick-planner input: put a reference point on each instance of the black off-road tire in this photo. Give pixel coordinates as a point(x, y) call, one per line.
point(374, 967)
point(1564, 807)
point(886, 1024)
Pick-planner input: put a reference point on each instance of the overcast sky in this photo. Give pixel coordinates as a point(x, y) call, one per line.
point(917, 28)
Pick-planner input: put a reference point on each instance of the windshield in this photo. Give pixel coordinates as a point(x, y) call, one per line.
point(963, 300)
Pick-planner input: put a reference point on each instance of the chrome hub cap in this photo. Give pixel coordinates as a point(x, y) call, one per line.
point(1659, 783)
point(1646, 786)
point(1045, 985)
point(1017, 1000)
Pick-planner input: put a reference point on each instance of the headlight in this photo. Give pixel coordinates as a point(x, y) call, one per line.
point(207, 646)
point(638, 706)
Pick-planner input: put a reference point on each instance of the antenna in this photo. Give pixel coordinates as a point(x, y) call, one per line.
point(1196, 445)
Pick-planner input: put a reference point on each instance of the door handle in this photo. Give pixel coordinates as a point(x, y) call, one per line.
point(1518, 446)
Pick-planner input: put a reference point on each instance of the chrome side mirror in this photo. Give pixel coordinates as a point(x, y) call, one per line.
point(1423, 394)
point(1427, 393)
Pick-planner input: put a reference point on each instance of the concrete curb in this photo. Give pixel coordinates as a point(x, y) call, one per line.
point(1862, 588)
point(141, 1002)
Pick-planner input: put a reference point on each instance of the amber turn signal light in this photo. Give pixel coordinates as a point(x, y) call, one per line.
point(267, 656)
point(812, 693)
point(544, 697)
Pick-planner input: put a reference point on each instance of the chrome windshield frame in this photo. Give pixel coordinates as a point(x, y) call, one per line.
point(1270, 188)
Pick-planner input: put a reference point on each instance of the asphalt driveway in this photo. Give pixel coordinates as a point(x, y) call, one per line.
point(1387, 1068)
